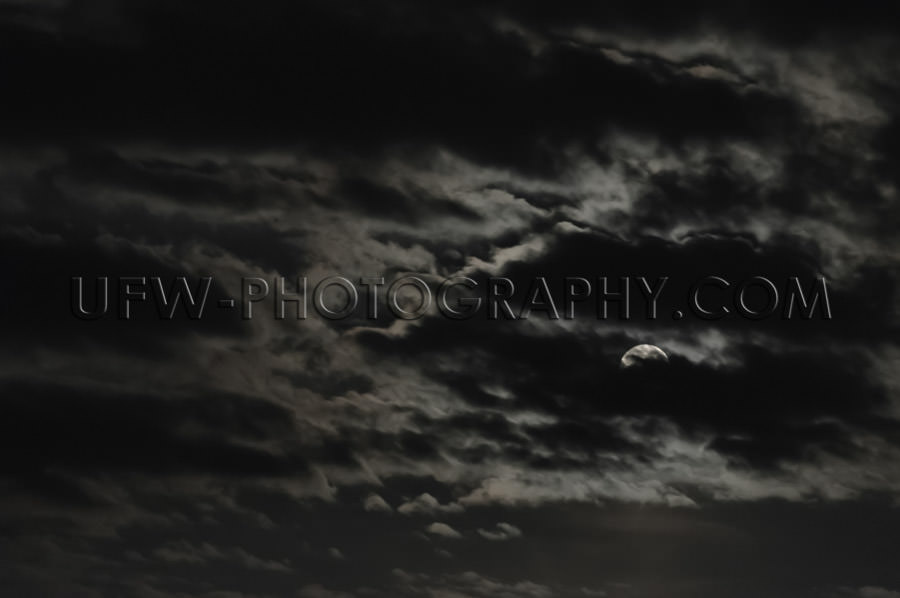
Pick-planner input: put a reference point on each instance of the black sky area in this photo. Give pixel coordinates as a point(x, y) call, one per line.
point(449, 458)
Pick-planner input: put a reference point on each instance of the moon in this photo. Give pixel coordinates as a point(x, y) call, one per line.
point(643, 354)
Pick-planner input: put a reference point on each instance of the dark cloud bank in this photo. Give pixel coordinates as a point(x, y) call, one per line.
point(442, 458)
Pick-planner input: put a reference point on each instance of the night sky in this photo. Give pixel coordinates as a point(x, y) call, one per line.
point(222, 457)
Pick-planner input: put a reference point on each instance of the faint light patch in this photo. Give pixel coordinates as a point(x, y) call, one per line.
point(336, 554)
point(495, 390)
point(708, 71)
point(708, 347)
point(375, 504)
point(32, 236)
point(443, 530)
point(531, 248)
point(531, 418)
point(426, 504)
point(616, 55)
point(501, 532)
point(535, 42)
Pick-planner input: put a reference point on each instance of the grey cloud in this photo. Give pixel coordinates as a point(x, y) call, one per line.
point(503, 531)
point(232, 458)
point(375, 503)
point(426, 504)
point(442, 529)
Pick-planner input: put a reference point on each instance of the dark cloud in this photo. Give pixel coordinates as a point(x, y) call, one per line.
point(440, 458)
point(54, 427)
point(329, 76)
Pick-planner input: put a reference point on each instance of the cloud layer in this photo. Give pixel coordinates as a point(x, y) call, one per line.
point(444, 458)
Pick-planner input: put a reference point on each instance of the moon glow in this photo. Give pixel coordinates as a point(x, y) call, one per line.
point(641, 354)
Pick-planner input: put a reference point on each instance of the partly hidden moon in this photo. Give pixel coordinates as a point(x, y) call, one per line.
point(643, 354)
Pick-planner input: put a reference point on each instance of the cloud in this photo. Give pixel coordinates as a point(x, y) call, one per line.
point(336, 553)
point(426, 504)
point(375, 503)
point(223, 457)
point(318, 591)
point(470, 583)
point(868, 592)
point(188, 553)
point(442, 529)
point(503, 531)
